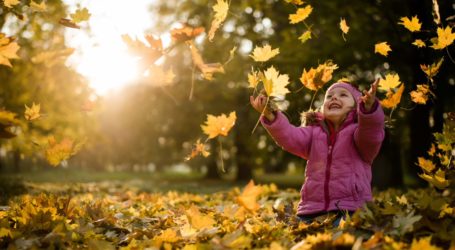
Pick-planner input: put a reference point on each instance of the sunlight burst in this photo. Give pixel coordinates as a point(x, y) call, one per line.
point(101, 56)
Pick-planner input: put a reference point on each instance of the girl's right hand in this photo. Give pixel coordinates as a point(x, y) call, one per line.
point(259, 104)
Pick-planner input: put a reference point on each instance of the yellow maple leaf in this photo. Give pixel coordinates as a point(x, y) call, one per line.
point(344, 26)
point(253, 79)
point(419, 43)
point(412, 24)
point(425, 164)
point(207, 69)
point(438, 179)
point(392, 99)
point(305, 36)
point(446, 209)
point(33, 112)
point(147, 54)
point(219, 125)
point(433, 69)
point(445, 38)
point(198, 148)
point(80, 15)
point(382, 48)
point(38, 7)
point(10, 3)
point(420, 96)
point(58, 152)
point(169, 235)
point(248, 198)
point(432, 150)
point(221, 9)
point(423, 243)
point(296, 2)
point(198, 220)
point(301, 14)
point(389, 82)
point(274, 83)
point(263, 54)
point(315, 78)
point(8, 50)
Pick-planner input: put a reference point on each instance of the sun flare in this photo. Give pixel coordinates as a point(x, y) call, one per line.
point(102, 56)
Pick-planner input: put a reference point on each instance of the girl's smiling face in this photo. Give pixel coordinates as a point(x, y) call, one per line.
point(338, 102)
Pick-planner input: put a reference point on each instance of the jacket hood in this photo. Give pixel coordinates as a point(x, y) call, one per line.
point(316, 118)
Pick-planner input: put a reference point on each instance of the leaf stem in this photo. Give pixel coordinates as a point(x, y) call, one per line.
point(312, 99)
point(262, 113)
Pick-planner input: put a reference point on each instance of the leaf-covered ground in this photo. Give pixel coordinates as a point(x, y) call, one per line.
point(107, 216)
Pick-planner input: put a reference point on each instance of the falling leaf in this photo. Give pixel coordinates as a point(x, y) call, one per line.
point(198, 220)
point(186, 33)
point(445, 38)
point(8, 50)
point(198, 149)
point(301, 14)
point(248, 198)
point(412, 24)
point(420, 96)
point(419, 43)
point(438, 179)
point(219, 125)
point(274, 83)
point(33, 112)
point(10, 3)
point(314, 79)
point(147, 54)
point(404, 224)
point(344, 26)
point(433, 69)
point(263, 54)
point(305, 36)
point(38, 7)
point(221, 10)
point(435, 12)
point(80, 15)
point(391, 81)
point(68, 23)
point(382, 48)
point(253, 79)
point(58, 152)
point(423, 243)
point(392, 99)
point(207, 69)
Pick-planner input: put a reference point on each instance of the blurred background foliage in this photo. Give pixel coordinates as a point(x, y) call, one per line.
point(147, 128)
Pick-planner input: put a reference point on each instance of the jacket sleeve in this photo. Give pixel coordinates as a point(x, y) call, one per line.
point(296, 140)
point(370, 132)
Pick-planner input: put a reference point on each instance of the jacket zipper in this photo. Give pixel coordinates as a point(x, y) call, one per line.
point(327, 178)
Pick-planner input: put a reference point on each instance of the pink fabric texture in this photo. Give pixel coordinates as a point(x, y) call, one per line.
point(338, 171)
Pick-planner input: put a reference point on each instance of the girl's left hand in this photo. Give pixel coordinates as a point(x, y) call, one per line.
point(369, 96)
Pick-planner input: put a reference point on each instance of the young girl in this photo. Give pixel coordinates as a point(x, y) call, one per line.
point(340, 144)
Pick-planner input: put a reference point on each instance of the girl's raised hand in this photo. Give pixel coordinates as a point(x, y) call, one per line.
point(259, 104)
point(369, 96)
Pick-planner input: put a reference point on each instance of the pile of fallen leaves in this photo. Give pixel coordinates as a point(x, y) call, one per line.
point(255, 217)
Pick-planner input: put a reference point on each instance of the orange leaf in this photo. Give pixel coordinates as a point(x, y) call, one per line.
point(186, 33)
point(392, 99)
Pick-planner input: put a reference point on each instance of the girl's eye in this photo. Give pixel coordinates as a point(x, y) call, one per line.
point(344, 94)
point(329, 96)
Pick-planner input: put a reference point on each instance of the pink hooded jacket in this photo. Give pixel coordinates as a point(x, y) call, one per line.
point(338, 171)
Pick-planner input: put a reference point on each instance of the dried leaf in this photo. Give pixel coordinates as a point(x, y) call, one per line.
point(412, 24)
point(392, 99)
point(445, 38)
point(314, 79)
point(274, 83)
point(389, 82)
point(33, 112)
point(300, 15)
